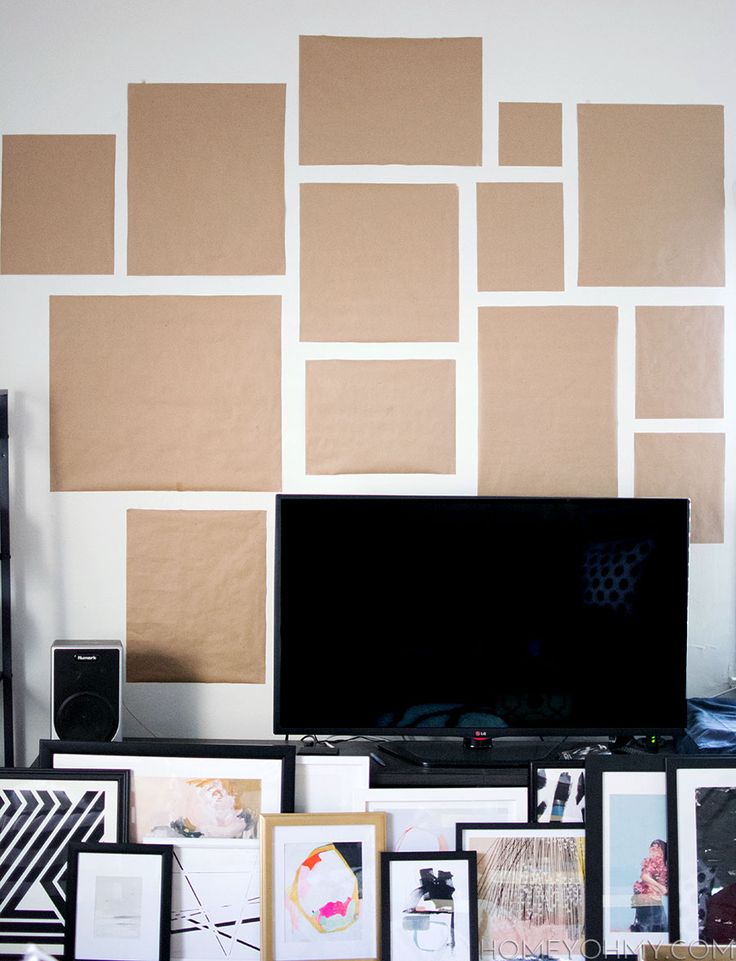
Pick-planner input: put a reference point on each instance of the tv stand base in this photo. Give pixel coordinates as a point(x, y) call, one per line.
point(456, 753)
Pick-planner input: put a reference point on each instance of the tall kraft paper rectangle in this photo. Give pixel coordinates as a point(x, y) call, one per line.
point(547, 397)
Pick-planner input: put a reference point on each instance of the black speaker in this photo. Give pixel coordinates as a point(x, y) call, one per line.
point(86, 690)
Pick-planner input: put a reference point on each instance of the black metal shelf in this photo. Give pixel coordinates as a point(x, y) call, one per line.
point(6, 667)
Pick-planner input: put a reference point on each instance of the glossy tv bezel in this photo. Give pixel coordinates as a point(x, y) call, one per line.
point(470, 733)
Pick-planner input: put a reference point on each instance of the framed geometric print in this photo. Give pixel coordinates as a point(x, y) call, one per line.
point(41, 812)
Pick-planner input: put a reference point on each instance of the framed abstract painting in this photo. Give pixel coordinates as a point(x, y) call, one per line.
point(41, 813)
point(424, 819)
point(557, 792)
point(429, 906)
point(320, 886)
point(181, 790)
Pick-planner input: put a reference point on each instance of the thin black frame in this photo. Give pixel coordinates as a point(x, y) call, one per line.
point(286, 753)
point(595, 843)
point(534, 767)
point(46, 937)
point(468, 857)
point(673, 765)
point(163, 851)
point(511, 827)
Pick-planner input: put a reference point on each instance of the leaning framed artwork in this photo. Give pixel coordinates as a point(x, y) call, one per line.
point(119, 902)
point(557, 792)
point(429, 906)
point(319, 886)
point(701, 811)
point(524, 864)
point(424, 819)
point(190, 790)
point(41, 812)
point(628, 869)
point(215, 900)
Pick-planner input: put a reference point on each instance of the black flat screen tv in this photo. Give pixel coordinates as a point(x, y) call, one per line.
point(480, 617)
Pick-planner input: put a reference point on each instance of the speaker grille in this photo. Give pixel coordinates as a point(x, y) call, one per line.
point(86, 717)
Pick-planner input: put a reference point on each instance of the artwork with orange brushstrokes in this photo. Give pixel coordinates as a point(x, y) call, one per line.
point(323, 891)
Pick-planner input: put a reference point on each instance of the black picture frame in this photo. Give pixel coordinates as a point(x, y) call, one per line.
point(628, 776)
point(434, 859)
point(200, 753)
point(41, 813)
point(82, 859)
point(562, 802)
point(509, 832)
point(688, 878)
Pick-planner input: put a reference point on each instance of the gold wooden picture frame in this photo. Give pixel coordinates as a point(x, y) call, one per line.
point(320, 886)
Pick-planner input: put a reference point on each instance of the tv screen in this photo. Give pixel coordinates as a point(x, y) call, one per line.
point(461, 615)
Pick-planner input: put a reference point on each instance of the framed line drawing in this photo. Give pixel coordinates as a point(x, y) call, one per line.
point(523, 864)
point(215, 900)
point(701, 818)
point(190, 790)
point(557, 792)
point(41, 812)
point(429, 906)
point(319, 886)
point(119, 902)
point(424, 819)
point(628, 870)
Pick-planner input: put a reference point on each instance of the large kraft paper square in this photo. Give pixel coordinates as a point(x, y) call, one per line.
point(206, 178)
point(520, 236)
point(679, 362)
point(379, 262)
point(651, 195)
point(530, 134)
point(685, 465)
point(381, 417)
point(58, 204)
point(165, 393)
point(547, 401)
point(390, 100)
point(196, 596)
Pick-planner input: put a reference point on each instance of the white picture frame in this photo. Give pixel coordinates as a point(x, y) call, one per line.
point(324, 783)
point(424, 819)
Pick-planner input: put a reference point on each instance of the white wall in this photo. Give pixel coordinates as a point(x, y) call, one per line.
point(64, 68)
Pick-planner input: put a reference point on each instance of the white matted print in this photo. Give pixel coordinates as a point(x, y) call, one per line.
point(215, 900)
point(192, 797)
point(634, 821)
point(424, 819)
point(118, 898)
point(325, 783)
point(429, 907)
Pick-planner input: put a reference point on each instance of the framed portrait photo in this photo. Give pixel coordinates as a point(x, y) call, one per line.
point(119, 902)
point(195, 790)
point(424, 819)
point(520, 865)
point(701, 808)
point(557, 792)
point(429, 906)
point(628, 860)
point(41, 813)
point(319, 886)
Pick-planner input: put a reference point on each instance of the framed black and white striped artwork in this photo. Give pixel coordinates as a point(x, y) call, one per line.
point(41, 812)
